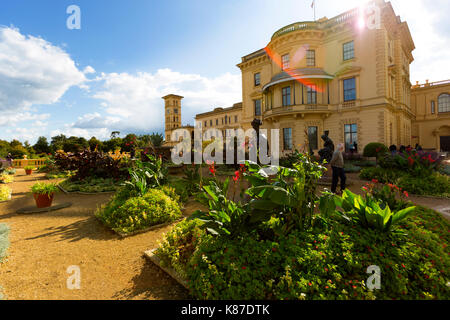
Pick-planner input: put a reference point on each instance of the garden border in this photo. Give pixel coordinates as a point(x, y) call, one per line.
point(149, 254)
point(156, 226)
point(84, 193)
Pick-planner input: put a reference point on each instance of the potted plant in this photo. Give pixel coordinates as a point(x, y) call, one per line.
point(29, 170)
point(43, 194)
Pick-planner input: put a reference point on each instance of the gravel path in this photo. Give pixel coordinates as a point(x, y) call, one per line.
point(44, 245)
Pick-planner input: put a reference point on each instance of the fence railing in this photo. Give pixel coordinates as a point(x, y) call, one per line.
point(21, 163)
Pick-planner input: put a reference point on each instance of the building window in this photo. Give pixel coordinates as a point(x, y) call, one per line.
point(350, 136)
point(168, 111)
point(210, 123)
point(257, 78)
point(310, 58)
point(349, 52)
point(313, 138)
point(217, 122)
point(349, 89)
point(257, 107)
point(285, 61)
point(433, 109)
point(444, 103)
point(225, 119)
point(286, 93)
point(175, 110)
point(287, 138)
point(236, 119)
point(206, 123)
point(311, 94)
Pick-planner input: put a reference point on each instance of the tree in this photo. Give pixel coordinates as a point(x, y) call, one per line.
point(75, 144)
point(156, 139)
point(115, 134)
point(58, 142)
point(94, 143)
point(42, 145)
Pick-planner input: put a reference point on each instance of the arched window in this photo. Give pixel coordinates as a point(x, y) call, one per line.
point(444, 103)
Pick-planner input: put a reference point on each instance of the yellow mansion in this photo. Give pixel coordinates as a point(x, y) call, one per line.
point(338, 76)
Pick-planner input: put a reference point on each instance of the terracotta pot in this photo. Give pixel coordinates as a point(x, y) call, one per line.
point(43, 200)
point(29, 172)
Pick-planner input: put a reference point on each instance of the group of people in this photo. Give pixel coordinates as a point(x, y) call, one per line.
point(393, 148)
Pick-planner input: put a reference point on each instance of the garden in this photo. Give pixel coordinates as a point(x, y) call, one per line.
point(418, 172)
point(268, 232)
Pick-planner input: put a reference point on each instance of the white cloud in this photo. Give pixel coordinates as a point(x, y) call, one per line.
point(33, 71)
point(9, 118)
point(133, 102)
point(88, 70)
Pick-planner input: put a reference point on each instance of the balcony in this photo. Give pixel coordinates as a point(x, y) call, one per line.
point(297, 110)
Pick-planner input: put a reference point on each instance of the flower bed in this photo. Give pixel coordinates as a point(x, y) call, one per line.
point(275, 247)
point(6, 178)
point(322, 264)
point(90, 185)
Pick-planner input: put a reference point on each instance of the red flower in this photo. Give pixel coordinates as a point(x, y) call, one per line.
point(243, 268)
point(375, 181)
point(406, 194)
point(310, 284)
point(274, 249)
point(410, 161)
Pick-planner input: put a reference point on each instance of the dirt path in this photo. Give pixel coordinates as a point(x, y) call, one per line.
point(44, 245)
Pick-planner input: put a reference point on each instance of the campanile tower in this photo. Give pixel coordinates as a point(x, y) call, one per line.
point(172, 109)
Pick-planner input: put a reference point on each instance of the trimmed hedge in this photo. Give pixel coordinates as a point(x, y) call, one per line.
point(374, 149)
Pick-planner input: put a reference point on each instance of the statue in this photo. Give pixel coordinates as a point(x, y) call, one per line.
point(328, 148)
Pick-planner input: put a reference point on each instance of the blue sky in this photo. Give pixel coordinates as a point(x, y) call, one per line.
point(111, 74)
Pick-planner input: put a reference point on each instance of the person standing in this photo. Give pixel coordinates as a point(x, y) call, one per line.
point(337, 165)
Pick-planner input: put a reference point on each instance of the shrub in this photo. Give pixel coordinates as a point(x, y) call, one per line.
point(29, 167)
point(5, 193)
point(6, 178)
point(91, 164)
point(434, 184)
point(137, 213)
point(374, 149)
point(171, 192)
point(380, 174)
point(179, 244)
point(44, 188)
point(328, 263)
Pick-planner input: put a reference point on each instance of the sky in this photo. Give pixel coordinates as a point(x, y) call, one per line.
point(110, 74)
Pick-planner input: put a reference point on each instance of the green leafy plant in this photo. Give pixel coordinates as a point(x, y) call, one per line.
point(44, 188)
point(5, 193)
point(29, 168)
point(291, 195)
point(374, 149)
point(225, 217)
point(125, 215)
point(323, 263)
point(369, 213)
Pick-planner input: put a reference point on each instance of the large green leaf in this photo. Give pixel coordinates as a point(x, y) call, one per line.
point(400, 215)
